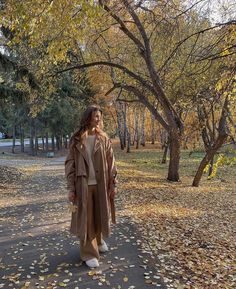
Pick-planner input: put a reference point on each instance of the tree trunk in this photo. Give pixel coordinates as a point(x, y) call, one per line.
point(36, 138)
point(133, 135)
point(43, 144)
point(128, 142)
point(222, 137)
point(32, 152)
point(119, 122)
point(22, 139)
point(207, 158)
point(58, 142)
point(46, 137)
point(13, 137)
point(137, 141)
point(61, 141)
point(152, 129)
point(173, 172)
point(211, 167)
point(165, 146)
point(136, 129)
point(143, 140)
point(185, 145)
point(125, 124)
point(65, 142)
point(53, 143)
point(122, 146)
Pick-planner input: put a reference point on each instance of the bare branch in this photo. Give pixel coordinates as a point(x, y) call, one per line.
point(218, 54)
point(188, 9)
point(127, 100)
point(138, 23)
point(116, 85)
point(123, 26)
point(141, 80)
point(232, 22)
point(143, 99)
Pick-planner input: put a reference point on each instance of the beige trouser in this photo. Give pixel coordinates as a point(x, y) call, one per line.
point(89, 249)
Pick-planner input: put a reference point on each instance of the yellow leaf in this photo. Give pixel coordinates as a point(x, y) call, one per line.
point(91, 273)
point(125, 279)
point(180, 286)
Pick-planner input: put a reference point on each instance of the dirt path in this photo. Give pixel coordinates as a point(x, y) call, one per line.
point(37, 250)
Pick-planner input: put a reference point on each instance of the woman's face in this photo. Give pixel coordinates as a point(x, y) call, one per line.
point(96, 119)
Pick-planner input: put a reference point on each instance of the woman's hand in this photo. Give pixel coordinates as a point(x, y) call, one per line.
point(71, 196)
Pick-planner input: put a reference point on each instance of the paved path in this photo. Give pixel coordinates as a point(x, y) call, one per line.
point(37, 250)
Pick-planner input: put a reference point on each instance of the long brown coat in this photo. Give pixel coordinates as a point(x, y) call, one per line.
point(77, 170)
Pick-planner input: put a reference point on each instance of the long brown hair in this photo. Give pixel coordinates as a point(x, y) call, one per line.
point(81, 132)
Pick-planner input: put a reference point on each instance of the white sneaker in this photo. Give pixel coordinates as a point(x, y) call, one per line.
point(103, 247)
point(92, 263)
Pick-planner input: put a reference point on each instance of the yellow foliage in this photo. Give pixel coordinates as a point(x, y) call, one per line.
point(222, 160)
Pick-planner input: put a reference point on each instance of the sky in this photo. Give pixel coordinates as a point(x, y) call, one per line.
point(219, 11)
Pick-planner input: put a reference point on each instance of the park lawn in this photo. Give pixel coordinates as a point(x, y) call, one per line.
point(188, 231)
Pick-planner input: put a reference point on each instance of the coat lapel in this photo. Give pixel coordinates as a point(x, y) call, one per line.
point(97, 144)
point(81, 148)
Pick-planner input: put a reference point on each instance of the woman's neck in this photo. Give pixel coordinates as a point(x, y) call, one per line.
point(91, 131)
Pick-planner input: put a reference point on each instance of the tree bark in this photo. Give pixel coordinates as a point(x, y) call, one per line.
point(119, 122)
point(43, 144)
point(53, 143)
point(143, 140)
point(136, 129)
point(222, 137)
point(58, 142)
point(36, 137)
point(13, 137)
point(185, 145)
point(46, 137)
point(124, 112)
point(211, 167)
point(165, 146)
point(122, 146)
point(128, 141)
point(65, 142)
point(32, 151)
point(173, 172)
point(22, 139)
point(152, 129)
point(61, 141)
point(207, 158)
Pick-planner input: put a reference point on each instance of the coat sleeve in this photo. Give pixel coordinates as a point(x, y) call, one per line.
point(70, 170)
point(112, 171)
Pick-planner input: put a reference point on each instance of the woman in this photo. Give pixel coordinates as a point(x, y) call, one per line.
point(91, 182)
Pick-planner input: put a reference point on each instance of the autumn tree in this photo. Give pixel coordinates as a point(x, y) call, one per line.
point(222, 97)
point(140, 41)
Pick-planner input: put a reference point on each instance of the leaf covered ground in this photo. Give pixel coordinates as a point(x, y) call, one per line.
point(184, 237)
point(191, 231)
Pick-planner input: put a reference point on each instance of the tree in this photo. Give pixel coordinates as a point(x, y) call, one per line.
point(137, 67)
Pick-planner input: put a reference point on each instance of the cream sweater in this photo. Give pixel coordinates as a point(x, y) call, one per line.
point(89, 144)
